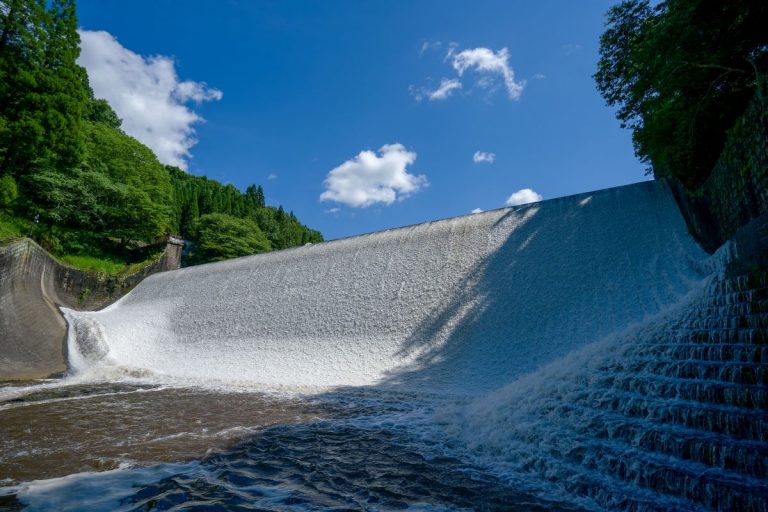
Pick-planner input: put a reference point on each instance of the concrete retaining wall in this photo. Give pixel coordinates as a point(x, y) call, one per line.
point(737, 190)
point(32, 287)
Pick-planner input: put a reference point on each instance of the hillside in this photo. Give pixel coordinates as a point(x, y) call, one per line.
point(87, 191)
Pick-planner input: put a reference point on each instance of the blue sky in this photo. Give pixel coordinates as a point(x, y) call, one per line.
point(290, 91)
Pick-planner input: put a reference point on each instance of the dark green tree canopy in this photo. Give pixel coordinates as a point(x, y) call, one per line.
point(41, 93)
point(681, 73)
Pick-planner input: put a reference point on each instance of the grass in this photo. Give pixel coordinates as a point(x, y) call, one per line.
point(99, 264)
point(105, 263)
point(13, 227)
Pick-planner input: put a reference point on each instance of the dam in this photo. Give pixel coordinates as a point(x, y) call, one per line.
point(462, 305)
point(580, 353)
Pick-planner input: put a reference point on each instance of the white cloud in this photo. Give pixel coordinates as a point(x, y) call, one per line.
point(272, 176)
point(477, 210)
point(490, 66)
point(197, 92)
point(369, 179)
point(443, 91)
point(483, 157)
point(523, 196)
point(147, 94)
point(333, 210)
point(429, 45)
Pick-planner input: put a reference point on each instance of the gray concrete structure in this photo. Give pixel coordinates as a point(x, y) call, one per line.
point(32, 287)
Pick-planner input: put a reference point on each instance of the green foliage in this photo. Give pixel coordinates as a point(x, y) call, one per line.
point(89, 200)
point(196, 196)
point(99, 112)
point(12, 227)
point(133, 180)
point(681, 73)
point(8, 191)
point(219, 237)
point(104, 263)
point(95, 191)
point(41, 93)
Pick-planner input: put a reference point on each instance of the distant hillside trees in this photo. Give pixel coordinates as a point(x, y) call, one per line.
point(65, 161)
point(220, 237)
point(681, 72)
point(197, 196)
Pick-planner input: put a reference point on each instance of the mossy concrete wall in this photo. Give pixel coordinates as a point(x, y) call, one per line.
point(32, 287)
point(736, 192)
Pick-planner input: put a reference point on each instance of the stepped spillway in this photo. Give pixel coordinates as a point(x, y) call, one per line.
point(462, 305)
point(671, 415)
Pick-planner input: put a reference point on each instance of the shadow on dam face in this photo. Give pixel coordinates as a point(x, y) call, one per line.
point(569, 272)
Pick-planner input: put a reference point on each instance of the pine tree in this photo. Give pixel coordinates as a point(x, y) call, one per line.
point(260, 201)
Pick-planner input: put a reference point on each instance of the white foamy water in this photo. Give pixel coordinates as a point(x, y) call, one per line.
point(462, 305)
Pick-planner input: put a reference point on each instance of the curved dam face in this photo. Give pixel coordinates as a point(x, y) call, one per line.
point(460, 305)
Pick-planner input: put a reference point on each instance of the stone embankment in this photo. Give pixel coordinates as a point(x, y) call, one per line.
point(736, 193)
point(32, 287)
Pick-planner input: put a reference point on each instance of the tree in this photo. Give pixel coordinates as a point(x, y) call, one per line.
point(99, 112)
point(8, 191)
point(41, 92)
point(255, 196)
point(125, 160)
point(220, 237)
point(681, 73)
point(63, 157)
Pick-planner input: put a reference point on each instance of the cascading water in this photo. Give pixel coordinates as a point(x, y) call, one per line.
point(461, 305)
point(86, 344)
point(581, 349)
point(671, 415)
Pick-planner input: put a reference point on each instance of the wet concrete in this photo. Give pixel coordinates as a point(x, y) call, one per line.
point(32, 287)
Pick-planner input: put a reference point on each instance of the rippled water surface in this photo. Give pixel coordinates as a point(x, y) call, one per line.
point(128, 446)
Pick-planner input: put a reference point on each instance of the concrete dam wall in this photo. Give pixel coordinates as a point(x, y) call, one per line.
point(33, 285)
point(459, 305)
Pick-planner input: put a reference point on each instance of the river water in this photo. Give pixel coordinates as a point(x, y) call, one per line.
point(137, 445)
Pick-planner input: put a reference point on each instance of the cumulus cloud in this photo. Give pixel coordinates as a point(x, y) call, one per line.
point(489, 66)
point(523, 196)
point(147, 94)
point(482, 157)
point(369, 178)
point(477, 210)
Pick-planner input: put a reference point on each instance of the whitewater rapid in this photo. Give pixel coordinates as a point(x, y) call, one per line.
point(462, 305)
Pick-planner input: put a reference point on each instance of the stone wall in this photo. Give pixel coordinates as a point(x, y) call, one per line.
point(33, 285)
point(737, 190)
